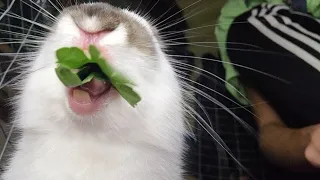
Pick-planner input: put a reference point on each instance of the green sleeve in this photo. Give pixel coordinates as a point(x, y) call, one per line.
point(313, 7)
point(231, 10)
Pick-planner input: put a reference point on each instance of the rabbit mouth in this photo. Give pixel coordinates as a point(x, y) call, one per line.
point(90, 97)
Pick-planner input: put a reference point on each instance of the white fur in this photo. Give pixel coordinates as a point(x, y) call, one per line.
point(90, 24)
point(116, 37)
point(117, 143)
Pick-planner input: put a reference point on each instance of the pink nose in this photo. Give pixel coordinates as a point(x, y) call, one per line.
point(87, 38)
point(94, 29)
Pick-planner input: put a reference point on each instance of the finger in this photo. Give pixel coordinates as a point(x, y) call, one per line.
point(315, 140)
point(313, 155)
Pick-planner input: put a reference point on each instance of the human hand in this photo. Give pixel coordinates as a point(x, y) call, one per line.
point(312, 152)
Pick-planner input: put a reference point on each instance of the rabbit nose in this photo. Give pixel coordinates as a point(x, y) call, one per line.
point(91, 37)
point(92, 25)
point(95, 18)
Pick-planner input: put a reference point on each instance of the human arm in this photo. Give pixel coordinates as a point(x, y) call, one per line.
point(281, 145)
point(312, 152)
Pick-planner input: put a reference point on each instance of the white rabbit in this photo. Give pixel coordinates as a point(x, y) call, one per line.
point(90, 132)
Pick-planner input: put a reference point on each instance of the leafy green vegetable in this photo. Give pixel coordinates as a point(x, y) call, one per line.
point(72, 58)
point(75, 68)
point(94, 52)
point(67, 77)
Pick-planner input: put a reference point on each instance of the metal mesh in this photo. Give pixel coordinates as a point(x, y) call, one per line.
point(210, 161)
point(20, 28)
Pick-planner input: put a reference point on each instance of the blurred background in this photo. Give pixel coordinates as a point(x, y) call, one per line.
point(195, 20)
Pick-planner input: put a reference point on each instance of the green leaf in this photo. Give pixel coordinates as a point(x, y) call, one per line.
point(73, 57)
point(84, 72)
point(100, 76)
point(109, 71)
point(89, 69)
point(94, 53)
point(95, 67)
point(88, 78)
point(128, 94)
point(67, 77)
point(120, 82)
point(93, 75)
